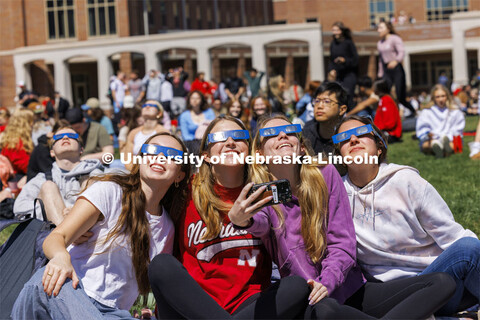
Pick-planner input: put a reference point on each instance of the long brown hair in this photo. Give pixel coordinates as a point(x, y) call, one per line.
point(207, 203)
point(133, 221)
point(312, 195)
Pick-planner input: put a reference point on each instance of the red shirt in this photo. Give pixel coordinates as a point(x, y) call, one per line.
point(18, 157)
point(231, 267)
point(387, 117)
point(202, 86)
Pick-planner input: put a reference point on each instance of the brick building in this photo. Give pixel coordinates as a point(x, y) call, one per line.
point(74, 46)
point(424, 26)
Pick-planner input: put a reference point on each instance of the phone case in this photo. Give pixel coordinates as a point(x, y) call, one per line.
point(279, 189)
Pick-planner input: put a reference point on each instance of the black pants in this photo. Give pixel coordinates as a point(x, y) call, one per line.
point(179, 296)
point(349, 81)
point(409, 298)
point(396, 76)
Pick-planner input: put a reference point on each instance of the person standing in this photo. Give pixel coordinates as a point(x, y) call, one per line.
point(344, 59)
point(136, 87)
point(391, 53)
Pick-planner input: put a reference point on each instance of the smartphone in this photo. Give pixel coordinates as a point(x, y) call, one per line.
point(279, 189)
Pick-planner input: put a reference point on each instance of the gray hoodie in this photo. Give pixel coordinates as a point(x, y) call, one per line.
point(68, 182)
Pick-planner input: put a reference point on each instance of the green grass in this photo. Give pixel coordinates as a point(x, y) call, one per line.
point(456, 178)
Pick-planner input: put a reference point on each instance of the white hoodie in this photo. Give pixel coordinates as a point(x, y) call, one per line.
point(440, 122)
point(410, 227)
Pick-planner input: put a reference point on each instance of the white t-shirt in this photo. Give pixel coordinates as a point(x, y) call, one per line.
point(109, 277)
point(119, 87)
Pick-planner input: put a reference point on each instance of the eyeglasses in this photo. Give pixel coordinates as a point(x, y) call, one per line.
point(67, 134)
point(150, 105)
point(358, 131)
point(275, 131)
point(326, 102)
point(224, 135)
point(155, 149)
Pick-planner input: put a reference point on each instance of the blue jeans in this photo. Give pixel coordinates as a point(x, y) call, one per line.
point(34, 303)
point(461, 261)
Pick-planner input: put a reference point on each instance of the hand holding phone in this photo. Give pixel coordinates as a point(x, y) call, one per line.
point(244, 207)
point(279, 190)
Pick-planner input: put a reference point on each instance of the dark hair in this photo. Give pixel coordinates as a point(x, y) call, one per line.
point(203, 103)
point(333, 87)
point(130, 116)
point(389, 25)
point(381, 87)
point(96, 114)
point(253, 70)
point(346, 33)
point(365, 82)
point(312, 86)
point(383, 156)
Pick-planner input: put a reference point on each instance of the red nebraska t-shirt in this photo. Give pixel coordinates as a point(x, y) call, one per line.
point(231, 267)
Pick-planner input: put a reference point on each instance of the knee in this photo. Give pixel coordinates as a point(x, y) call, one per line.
point(469, 246)
point(162, 269)
point(444, 281)
point(48, 187)
point(326, 309)
point(297, 286)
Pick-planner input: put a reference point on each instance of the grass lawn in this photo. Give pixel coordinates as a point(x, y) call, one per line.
point(456, 178)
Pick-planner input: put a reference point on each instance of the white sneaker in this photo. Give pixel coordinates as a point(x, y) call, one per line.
point(474, 149)
point(437, 148)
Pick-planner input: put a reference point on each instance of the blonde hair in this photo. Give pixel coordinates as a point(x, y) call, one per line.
point(450, 104)
point(312, 195)
point(19, 128)
point(207, 203)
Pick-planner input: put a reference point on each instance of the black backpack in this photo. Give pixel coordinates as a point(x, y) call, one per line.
point(21, 256)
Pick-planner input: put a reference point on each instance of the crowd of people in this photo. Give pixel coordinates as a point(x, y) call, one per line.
point(362, 241)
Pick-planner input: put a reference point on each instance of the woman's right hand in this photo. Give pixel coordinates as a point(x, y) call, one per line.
point(56, 272)
point(243, 209)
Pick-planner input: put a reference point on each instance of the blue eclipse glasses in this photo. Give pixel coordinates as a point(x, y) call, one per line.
point(150, 105)
point(67, 134)
point(358, 131)
point(154, 149)
point(224, 135)
point(275, 131)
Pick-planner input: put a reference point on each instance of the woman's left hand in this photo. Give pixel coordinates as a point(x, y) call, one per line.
point(392, 64)
point(319, 291)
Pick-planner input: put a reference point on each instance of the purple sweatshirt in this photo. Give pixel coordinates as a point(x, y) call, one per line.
point(338, 270)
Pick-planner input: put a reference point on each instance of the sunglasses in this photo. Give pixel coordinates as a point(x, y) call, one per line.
point(358, 131)
point(150, 105)
point(275, 131)
point(67, 134)
point(154, 149)
point(224, 135)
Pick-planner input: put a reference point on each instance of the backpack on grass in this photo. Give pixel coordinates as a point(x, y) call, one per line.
point(20, 256)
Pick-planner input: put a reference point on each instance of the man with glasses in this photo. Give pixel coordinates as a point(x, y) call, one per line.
point(330, 105)
point(59, 187)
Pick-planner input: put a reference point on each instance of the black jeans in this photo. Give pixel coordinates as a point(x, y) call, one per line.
point(179, 296)
point(409, 298)
point(396, 76)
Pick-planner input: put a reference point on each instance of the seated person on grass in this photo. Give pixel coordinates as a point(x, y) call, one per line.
point(68, 174)
point(329, 106)
point(439, 124)
point(387, 117)
point(96, 140)
point(404, 228)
